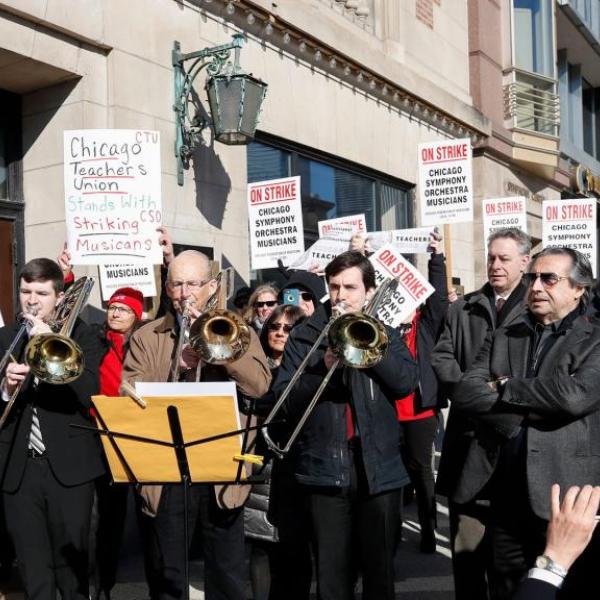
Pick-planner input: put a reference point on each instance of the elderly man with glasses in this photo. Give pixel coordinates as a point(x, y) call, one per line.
point(216, 509)
point(533, 396)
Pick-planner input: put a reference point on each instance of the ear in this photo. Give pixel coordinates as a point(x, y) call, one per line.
point(212, 286)
point(370, 293)
point(579, 290)
point(525, 260)
point(59, 297)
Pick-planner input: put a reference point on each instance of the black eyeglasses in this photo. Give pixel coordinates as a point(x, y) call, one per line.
point(277, 326)
point(269, 303)
point(547, 279)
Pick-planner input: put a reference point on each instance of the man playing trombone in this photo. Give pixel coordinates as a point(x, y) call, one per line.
point(47, 468)
point(153, 356)
point(348, 454)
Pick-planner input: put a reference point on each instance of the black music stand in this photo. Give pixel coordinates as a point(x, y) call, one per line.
point(179, 447)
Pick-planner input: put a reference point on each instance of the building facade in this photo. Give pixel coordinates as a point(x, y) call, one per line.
point(354, 87)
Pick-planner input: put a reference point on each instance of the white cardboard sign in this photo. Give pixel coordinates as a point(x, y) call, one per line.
point(413, 289)
point(322, 252)
point(342, 227)
point(571, 223)
point(499, 213)
point(275, 219)
point(406, 241)
point(445, 182)
point(140, 277)
point(112, 196)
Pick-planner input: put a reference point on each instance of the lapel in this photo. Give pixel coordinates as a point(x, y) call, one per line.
point(519, 341)
point(576, 336)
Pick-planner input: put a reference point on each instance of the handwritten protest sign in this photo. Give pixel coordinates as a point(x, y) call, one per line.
point(413, 289)
point(342, 227)
point(275, 217)
point(499, 213)
point(445, 182)
point(112, 196)
point(406, 241)
point(571, 223)
point(140, 277)
point(322, 252)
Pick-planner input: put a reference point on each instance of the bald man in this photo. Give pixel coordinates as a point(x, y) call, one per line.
point(216, 509)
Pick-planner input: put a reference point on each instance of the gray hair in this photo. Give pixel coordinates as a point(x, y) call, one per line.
point(581, 273)
point(522, 240)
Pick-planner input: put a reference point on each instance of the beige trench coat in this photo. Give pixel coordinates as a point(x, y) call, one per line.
point(149, 359)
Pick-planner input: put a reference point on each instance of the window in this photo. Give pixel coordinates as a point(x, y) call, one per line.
point(330, 188)
point(534, 36)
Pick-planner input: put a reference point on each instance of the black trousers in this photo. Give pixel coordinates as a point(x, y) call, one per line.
point(222, 533)
point(111, 506)
point(50, 524)
point(350, 526)
point(471, 548)
point(417, 454)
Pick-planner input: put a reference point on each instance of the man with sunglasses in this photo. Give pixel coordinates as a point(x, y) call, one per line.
point(216, 509)
point(498, 303)
point(533, 396)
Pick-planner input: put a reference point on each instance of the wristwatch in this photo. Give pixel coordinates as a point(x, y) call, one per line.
point(545, 562)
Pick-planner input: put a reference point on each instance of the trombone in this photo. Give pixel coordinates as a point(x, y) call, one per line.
point(218, 336)
point(54, 358)
point(358, 340)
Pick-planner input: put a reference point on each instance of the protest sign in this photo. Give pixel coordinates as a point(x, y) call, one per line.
point(140, 277)
point(322, 252)
point(413, 289)
point(406, 241)
point(342, 227)
point(445, 186)
point(499, 213)
point(275, 219)
point(571, 223)
point(112, 196)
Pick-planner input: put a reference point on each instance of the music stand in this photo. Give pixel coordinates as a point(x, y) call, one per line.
point(164, 456)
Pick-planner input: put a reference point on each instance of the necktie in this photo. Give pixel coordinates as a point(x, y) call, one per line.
point(500, 304)
point(35, 435)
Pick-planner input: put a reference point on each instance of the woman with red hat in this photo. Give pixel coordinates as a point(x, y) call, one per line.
point(123, 315)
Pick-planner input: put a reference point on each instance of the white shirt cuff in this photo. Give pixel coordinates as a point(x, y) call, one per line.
point(547, 576)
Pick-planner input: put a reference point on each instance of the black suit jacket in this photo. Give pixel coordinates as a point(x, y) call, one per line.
point(536, 589)
point(74, 455)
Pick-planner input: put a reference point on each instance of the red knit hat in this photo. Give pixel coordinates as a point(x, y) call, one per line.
point(130, 297)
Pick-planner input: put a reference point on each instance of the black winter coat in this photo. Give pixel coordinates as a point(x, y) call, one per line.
point(322, 456)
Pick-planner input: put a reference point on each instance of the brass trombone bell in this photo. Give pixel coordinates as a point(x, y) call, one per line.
point(359, 340)
point(54, 358)
point(219, 336)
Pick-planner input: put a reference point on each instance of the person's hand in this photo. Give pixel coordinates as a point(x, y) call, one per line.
point(330, 358)
point(164, 241)
point(36, 326)
point(571, 523)
point(435, 242)
point(15, 374)
point(189, 359)
point(452, 295)
point(64, 261)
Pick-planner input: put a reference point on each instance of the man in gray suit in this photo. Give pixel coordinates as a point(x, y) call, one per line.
point(533, 396)
point(499, 302)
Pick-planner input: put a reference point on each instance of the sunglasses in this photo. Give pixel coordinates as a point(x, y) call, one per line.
point(277, 326)
point(306, 296)
point(547, 279)
point(269, 303)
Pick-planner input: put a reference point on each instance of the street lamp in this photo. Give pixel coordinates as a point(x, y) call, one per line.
point(234, 98)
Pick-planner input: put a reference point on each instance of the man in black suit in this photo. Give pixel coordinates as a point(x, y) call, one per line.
point(47, 468)
point(533, 395)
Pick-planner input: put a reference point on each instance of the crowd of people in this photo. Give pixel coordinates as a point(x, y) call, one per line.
point(517, 362)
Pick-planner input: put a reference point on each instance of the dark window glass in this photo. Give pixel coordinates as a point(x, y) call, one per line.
point(330, 189)
point(3, 166)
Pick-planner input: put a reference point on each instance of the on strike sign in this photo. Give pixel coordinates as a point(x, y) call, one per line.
point(112, 196)
point(342, 227)
point(275, 218)
point(571, 223)
point(413, 289)
point(445, 186)
point(504, 212)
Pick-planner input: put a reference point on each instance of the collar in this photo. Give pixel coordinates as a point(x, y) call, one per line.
point(165, 324)
point(557, 327)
